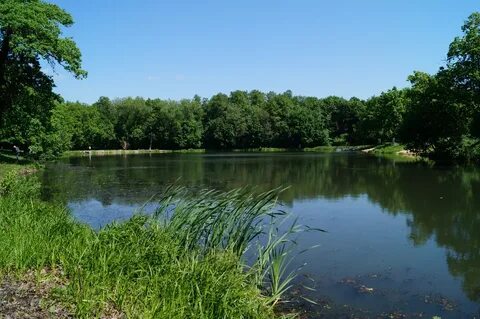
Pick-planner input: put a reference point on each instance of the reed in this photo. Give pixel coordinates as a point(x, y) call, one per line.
point(186, 261)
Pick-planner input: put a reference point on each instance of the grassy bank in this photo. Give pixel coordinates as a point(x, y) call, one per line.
point(387, 149)
point(331, 149)
point(8, 163)
point(319, 149)
point(394, 151)
point(127, 152)
point(186, 261)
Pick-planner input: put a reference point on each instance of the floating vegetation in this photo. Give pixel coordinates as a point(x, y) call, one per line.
point(445, 303)
point(375, 299)
point(357, 285)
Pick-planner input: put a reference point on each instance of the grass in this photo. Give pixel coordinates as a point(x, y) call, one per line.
point(182, 151)
point(6, 167)
point(8, 162)
point(127, 152)
point(396, 152)
point(319, 149)
point(331, 149)
point(388, 149)
point(185, 261)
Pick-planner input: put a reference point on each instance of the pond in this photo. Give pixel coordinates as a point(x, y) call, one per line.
point(403, 238)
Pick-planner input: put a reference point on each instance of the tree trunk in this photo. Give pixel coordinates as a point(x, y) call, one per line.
point(124, 144)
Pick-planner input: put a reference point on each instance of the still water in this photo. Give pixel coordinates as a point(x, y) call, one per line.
point(403, 238)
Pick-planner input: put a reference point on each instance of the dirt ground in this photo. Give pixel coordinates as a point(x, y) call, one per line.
point(30, 296)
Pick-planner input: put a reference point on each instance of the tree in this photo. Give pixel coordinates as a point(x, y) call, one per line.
point(383, 116)
point(132, 121)
point(344, 117)
point(463, 58)
point(31, 33)
point(463, 69)
point(190, 133)
point(109, 119)
point(307, 123)
point(82, 125)
point(278, 107)
point(443, 117)
point(223, 122)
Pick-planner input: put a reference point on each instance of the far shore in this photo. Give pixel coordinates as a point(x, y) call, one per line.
point(385, 149)
point(319, 149)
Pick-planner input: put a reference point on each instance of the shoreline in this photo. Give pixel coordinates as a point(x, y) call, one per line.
point(378, 150)
point(397, 150)
point(318, 149)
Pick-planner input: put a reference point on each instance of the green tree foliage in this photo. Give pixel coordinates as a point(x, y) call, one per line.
point(443, 117)
point(109, 119)
point(259, 128)
point(175, 125)
point(131, 124)
point(297, 121)
point(240, 120)
point(224, 122)
point(83, 124)
point(345, 116)
point(463, 68)
point(31, 33)
point(383, 116)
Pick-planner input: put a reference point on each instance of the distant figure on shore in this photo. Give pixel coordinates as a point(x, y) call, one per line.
point(17, 150)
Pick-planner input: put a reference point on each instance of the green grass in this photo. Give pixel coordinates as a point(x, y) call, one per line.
point(319, 149)
point(5, 168)
point(331, 149)
point(128, 152)
point(396, 152)
point(388, 149)
point(186, 261)
point(8, 163)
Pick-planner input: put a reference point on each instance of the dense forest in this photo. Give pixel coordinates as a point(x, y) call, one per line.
point(438, 116)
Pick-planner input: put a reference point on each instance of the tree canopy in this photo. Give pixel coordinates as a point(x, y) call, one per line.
point(443, 116)
point(31, 37)
point(438, 116)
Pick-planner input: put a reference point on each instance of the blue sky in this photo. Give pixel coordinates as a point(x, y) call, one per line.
point(178, 48)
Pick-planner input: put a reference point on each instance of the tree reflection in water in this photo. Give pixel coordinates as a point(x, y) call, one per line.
point(440, 203)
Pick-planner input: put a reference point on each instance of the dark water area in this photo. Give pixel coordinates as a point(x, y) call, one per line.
point(403, 238)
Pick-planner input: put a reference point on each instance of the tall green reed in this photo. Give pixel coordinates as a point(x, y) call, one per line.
point(238, 220)
point(186, 261)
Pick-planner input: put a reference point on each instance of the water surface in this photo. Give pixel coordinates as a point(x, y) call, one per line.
point(403, 238)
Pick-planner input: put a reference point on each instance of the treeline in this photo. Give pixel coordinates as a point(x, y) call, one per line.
point(236, 121)
point(438, 116)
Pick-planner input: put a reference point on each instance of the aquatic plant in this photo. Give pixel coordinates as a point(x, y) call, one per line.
point(239, 221)
point(188, 260)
